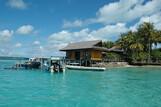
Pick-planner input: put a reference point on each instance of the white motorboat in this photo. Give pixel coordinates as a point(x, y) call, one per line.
point(85, 68)
point(56, 64)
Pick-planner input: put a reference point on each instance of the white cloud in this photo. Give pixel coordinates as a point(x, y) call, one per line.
point(78, 23)
point(121, 11)
point(18, 4)
point(114, 17)
point(18, 45)
point(5, 46)
point(116, 11)
point(127, 10)
point(36, 43)
point(6, 49)
point(25, 30)
point(59, 36)
point(66, 36)
point(59, 40)
point(5, 35)
point(155, 19)
point(4, 52)
point(41, 48)
point(109, 32)
point(37, 51)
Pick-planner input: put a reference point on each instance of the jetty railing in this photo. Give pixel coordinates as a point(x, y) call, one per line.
point(145, 62)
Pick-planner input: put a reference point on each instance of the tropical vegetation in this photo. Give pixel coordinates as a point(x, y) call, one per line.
point(139, 45)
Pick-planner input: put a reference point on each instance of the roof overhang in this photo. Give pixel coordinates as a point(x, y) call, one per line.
point(93, 48)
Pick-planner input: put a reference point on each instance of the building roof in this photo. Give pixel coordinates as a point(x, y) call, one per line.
point(83, 45)
point(115, 49)
point(90, 45)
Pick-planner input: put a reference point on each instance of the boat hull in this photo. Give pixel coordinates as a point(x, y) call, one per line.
point(85, 68)
point(59, 70)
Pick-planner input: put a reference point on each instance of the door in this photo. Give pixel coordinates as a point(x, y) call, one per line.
point(77, 55)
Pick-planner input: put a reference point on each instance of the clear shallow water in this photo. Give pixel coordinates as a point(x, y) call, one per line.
point(117, 87)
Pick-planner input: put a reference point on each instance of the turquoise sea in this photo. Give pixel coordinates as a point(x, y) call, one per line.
point(116, 87)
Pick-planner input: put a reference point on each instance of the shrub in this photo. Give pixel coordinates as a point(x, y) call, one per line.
point(113, 56)
point(141, 56)
point(156, 54)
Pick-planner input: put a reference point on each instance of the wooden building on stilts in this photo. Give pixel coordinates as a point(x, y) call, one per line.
point(84, 53)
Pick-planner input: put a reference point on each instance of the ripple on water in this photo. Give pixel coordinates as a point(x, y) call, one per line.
point(126, 87)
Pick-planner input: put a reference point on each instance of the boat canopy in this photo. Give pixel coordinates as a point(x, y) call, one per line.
point(56, 58)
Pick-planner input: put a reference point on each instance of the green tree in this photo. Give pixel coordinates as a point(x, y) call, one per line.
point(139, 45)
point(145, 31)
point(125, 41)
point(108, 44)
point(148, 36)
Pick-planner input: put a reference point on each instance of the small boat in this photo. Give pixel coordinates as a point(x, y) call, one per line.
point(56, 65)
point(32, 65)
point(85, 68)
point(56, 68)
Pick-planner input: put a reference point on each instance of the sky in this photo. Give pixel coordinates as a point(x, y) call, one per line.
point(41, 27)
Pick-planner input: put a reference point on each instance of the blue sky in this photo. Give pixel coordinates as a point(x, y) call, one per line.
point(42, 27)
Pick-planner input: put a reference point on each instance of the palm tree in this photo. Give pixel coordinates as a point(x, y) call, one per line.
point(108, 44)
point(156, 37)
point(140, 43)
point(137, 47)
point(125, 40)
point(147, 35)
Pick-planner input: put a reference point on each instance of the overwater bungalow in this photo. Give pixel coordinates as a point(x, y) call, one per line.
point(84, 53)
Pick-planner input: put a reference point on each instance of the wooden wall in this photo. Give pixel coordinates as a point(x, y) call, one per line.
point(95, 55)
point(70, 55)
